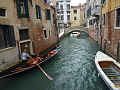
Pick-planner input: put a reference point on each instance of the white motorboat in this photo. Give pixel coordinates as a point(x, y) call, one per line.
point(75, 34)
point(109, 70)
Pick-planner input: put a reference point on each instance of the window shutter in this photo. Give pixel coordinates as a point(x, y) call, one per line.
point(26, 8)
point(2, 43)
point(39, 12)
point(46, 14)
point(49, 16)
point(36, 11)
point(11, 36)
point(31, 3)
point(18, 8)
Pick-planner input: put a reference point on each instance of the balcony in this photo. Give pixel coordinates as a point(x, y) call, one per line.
point(96, 11)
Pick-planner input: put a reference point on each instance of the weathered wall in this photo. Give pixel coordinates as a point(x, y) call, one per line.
point(8, 5)
point(8, 56)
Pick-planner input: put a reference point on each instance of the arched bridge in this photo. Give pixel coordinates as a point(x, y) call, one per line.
point(75, 28)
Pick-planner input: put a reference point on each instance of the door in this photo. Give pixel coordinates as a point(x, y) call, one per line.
point(26, 46)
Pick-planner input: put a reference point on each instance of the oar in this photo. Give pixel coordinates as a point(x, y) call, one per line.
point(42, 69)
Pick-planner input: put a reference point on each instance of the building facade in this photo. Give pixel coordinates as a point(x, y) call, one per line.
point(75, 15)
point(63, 12)
point(93, 12)
point(110, 24)
point(25, 24)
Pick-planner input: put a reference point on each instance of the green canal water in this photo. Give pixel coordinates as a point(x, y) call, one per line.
point(73, 68)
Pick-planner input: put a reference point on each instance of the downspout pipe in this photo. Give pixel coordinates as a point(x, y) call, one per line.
point(117, 57)
point(105, 41)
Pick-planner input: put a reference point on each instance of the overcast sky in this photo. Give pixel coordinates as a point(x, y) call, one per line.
point(76, 2)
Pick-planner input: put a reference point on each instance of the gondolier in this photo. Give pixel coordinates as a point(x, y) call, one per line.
point(15, 71)
point(24, 58)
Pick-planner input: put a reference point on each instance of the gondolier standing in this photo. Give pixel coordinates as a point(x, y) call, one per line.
point(24, 58)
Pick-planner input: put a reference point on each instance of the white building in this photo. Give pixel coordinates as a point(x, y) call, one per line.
point(93, 11)
point(63, 12)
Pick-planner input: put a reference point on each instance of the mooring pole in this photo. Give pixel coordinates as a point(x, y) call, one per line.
point(101, 44)
point(117, 57)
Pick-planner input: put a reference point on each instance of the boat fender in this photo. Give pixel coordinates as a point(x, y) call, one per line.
point(98, 75)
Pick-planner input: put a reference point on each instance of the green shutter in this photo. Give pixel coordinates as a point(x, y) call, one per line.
point(36, 11)
point(11, 36)
point(26, 8)
point(49, 14)
point(46, 14)
point(18, 8)
point(39, 12)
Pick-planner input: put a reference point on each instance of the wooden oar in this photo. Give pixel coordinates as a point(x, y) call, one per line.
point(42, 69)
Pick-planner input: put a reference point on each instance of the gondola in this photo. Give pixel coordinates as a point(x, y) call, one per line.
point(18, 70)
point(109, 70)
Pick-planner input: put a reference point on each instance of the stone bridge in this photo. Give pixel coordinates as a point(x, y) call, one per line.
point(75, 28)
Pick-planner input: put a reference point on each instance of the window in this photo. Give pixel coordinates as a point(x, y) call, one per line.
point(57, 5)
point(45, 34)
point(103, 1)
point(118, 17)
point(68, 17)
point(75, 11)
point(7, 38)
point(62, 17)
point(46, 0)
point(22, 8)
point(103, 19)
point(48, 16)
point(75, 18)
point(38, 12)
point(61, 7)
point(68, 6)
point(68, 12)
point(23, 34)
point(3, 12)
point(90, 22)
point(94, 20)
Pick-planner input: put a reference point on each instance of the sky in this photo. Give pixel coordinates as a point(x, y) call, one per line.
point(76, 2)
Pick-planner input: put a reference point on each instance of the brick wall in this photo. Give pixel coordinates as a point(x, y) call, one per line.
point(111, 34)
point(36, 26)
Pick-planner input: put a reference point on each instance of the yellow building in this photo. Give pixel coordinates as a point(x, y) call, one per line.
point(75, 15)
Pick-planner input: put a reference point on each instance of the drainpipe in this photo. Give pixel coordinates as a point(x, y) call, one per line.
point(105, 41)
point(101, 43)
point(117, 57)
point(18, 50)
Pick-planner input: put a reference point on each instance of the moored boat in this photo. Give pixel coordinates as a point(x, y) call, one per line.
point(30, 64)
point(109, 70)
point(75, 34)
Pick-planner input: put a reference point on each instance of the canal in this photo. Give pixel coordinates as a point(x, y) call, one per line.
point(72, 68)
